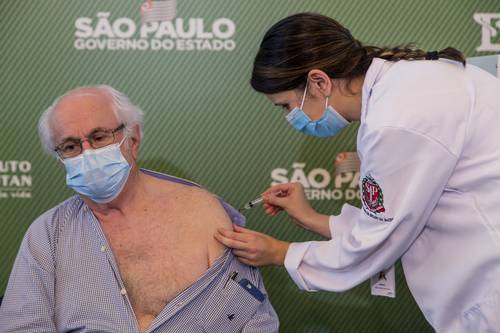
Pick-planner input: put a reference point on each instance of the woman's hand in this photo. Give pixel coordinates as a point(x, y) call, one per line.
point(291, 198)
point(253, 248)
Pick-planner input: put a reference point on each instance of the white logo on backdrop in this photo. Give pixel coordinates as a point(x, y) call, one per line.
point(15, 179)
point(490, 26)
point(319, 183)
point(160, 30)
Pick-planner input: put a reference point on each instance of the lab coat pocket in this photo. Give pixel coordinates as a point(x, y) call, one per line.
point(228, 309)
point(484, 316)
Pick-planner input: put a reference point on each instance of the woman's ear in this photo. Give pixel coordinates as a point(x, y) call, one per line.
point(320, 84)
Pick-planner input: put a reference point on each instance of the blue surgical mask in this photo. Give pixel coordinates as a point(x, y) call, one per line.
point(99, 174)
point(330, 123)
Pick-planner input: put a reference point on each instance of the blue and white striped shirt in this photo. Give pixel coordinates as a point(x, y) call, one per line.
point(65, 279)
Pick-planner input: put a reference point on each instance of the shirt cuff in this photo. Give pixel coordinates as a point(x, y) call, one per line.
point(344, 222)
point(293, 260)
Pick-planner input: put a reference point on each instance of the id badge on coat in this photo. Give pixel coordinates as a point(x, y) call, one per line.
point(384, 283)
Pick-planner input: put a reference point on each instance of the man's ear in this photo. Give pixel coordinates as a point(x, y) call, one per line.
point(320, 85)
point(135, 142)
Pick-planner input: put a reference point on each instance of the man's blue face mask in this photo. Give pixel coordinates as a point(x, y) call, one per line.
point(330, 123)
point(99, 174)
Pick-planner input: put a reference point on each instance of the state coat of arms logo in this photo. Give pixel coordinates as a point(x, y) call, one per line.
point(372, 195)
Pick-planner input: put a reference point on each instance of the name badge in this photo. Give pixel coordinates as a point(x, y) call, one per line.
point(384, 283)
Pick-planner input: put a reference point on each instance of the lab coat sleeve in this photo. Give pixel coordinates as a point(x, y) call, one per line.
point(411, 171)
point(343, 223)
point(28, 305)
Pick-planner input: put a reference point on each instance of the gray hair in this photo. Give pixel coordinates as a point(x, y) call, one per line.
point(126, 112)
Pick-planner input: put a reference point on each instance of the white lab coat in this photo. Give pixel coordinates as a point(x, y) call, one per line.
point(429, 145)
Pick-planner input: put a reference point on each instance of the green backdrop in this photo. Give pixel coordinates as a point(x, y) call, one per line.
point(202, 120)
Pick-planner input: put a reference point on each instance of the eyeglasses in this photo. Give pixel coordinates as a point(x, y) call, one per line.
point(97, 139)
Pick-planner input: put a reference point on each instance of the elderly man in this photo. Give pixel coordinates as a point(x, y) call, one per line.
point(135, 250)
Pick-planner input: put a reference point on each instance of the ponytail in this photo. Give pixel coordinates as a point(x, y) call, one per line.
point(409, 52)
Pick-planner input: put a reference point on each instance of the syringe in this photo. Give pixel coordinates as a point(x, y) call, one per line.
point(254, 202)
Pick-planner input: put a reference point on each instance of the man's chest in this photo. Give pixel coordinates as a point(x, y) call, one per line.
point(157, 262)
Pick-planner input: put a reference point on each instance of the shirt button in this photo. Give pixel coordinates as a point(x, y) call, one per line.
point(103, 248)
point(123, 291)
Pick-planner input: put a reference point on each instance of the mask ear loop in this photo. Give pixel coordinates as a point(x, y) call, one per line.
point(304, 96)
point(120, 144)
point(326, 102)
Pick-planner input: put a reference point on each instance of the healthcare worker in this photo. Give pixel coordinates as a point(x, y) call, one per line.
point(429, 145)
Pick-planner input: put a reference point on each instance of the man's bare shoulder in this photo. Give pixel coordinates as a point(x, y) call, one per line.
point(203, 204)
point(199, 211)
point(206, 215)
point(191, 201)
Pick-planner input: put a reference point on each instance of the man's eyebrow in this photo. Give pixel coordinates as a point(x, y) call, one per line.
point(69, 138)
point(98, 129)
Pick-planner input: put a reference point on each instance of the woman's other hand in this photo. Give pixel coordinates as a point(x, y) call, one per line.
point(253, 248)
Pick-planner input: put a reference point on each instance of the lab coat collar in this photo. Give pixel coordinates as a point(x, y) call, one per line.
point(376, 70)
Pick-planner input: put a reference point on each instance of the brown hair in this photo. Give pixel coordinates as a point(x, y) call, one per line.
point(301, 42)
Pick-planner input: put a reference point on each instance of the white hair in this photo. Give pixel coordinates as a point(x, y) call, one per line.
point(127, 113)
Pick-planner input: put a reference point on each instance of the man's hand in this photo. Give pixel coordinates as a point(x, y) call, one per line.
point(253, 248)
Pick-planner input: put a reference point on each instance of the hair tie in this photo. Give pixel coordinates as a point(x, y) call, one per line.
point(432, 55)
